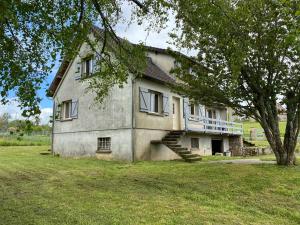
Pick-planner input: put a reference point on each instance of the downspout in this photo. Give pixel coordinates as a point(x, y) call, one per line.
point(133, 118)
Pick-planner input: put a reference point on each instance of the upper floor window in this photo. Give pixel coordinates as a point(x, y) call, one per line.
point(66, 110)
point(211, 113)
point(67, 107)
point(87, 67)
point(192, 109)
point(155, 102)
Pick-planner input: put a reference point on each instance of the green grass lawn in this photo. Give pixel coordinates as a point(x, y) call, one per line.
point(41, 189)
point(15, 140)
point(247, 125)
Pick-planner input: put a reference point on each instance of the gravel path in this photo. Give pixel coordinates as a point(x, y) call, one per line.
point(244, 161)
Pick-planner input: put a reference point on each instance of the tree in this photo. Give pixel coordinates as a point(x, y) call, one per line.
point(4, 118)
point(248, 54)
point(33, 34)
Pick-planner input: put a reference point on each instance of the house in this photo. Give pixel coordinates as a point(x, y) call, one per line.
point(143, 120)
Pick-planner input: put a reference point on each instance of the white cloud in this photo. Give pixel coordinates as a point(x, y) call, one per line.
point(136, 33)
point(15, 112)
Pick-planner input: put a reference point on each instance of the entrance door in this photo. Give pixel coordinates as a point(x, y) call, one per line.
point(176, 113)
point(216, 146)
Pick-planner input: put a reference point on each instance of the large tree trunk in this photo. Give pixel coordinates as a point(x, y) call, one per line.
point(283, 150)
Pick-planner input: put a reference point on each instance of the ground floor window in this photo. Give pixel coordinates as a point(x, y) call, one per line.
point(195, 142)
point(104, 144)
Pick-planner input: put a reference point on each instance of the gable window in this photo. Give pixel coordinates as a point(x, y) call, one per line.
point(67, 107)
point(155, 102)
point(195, 143)
point(104, 144)
point(87, 67)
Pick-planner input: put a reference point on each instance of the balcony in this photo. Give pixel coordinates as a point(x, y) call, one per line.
point(213, 126)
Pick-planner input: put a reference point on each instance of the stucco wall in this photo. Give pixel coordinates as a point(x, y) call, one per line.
point(79, 136)
point(147, 120)
point(163, 61)
point(144, 150)
point(85, 144)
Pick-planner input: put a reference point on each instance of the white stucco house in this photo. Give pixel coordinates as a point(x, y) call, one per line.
point(143, 120)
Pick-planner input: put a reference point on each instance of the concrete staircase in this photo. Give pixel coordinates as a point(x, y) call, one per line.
point(171, 141)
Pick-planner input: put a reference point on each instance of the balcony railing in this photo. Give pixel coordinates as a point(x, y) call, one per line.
point(204, 124)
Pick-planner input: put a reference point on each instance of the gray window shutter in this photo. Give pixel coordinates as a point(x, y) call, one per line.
point(57, 111)
point(96, 62)
point(201, 111)
point(166, 107)
point(74, 109)
point(144, 100)
point(186, 107)
point(78, 71)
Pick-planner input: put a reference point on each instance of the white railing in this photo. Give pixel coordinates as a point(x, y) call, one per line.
point(204, 124)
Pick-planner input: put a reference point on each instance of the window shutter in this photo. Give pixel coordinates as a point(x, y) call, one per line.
point(57, 111)
point(201, 109)
point(144, 100)
point(82, 71)
point(96, 61)
point(78, 71)
point(186, 108)
point(166, 107)
point(74, 109)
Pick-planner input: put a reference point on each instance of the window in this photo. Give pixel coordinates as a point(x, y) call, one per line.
point(195, 143)
point(192, 109)
point(87, 67)
point(155, 102)
point(104, 144)
point(173, 109)
point(67, 107)
point(211, 113)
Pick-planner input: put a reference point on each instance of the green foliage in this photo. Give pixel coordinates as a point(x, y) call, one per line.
point(33, 34)
point(42, 189)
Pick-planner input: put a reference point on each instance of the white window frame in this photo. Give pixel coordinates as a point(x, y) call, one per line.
point(64, 104)
point(156, 102)
point(85, 61)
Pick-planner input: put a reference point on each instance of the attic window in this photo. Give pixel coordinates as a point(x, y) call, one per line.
point(87, 67)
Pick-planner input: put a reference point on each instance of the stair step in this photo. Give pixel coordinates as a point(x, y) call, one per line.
point(195, 159)
point(179, 132)
point(183, 152)
point(170, 143)
point(155, 142)
point(189, 156)
point(179, 148)
point(172, 136)
point(169, 139)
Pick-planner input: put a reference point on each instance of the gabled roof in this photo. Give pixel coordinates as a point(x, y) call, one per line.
point(152, 71)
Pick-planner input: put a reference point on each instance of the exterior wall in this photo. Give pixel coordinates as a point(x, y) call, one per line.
point(144, 150)
point(145, 120)
point(163, 61)
point(235, 145)
point(110, 119)
point(85, 144)
point(205, 147)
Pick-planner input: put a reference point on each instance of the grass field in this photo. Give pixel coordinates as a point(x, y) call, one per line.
point(248, 125)
point(42, 190)
point(15, 140)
